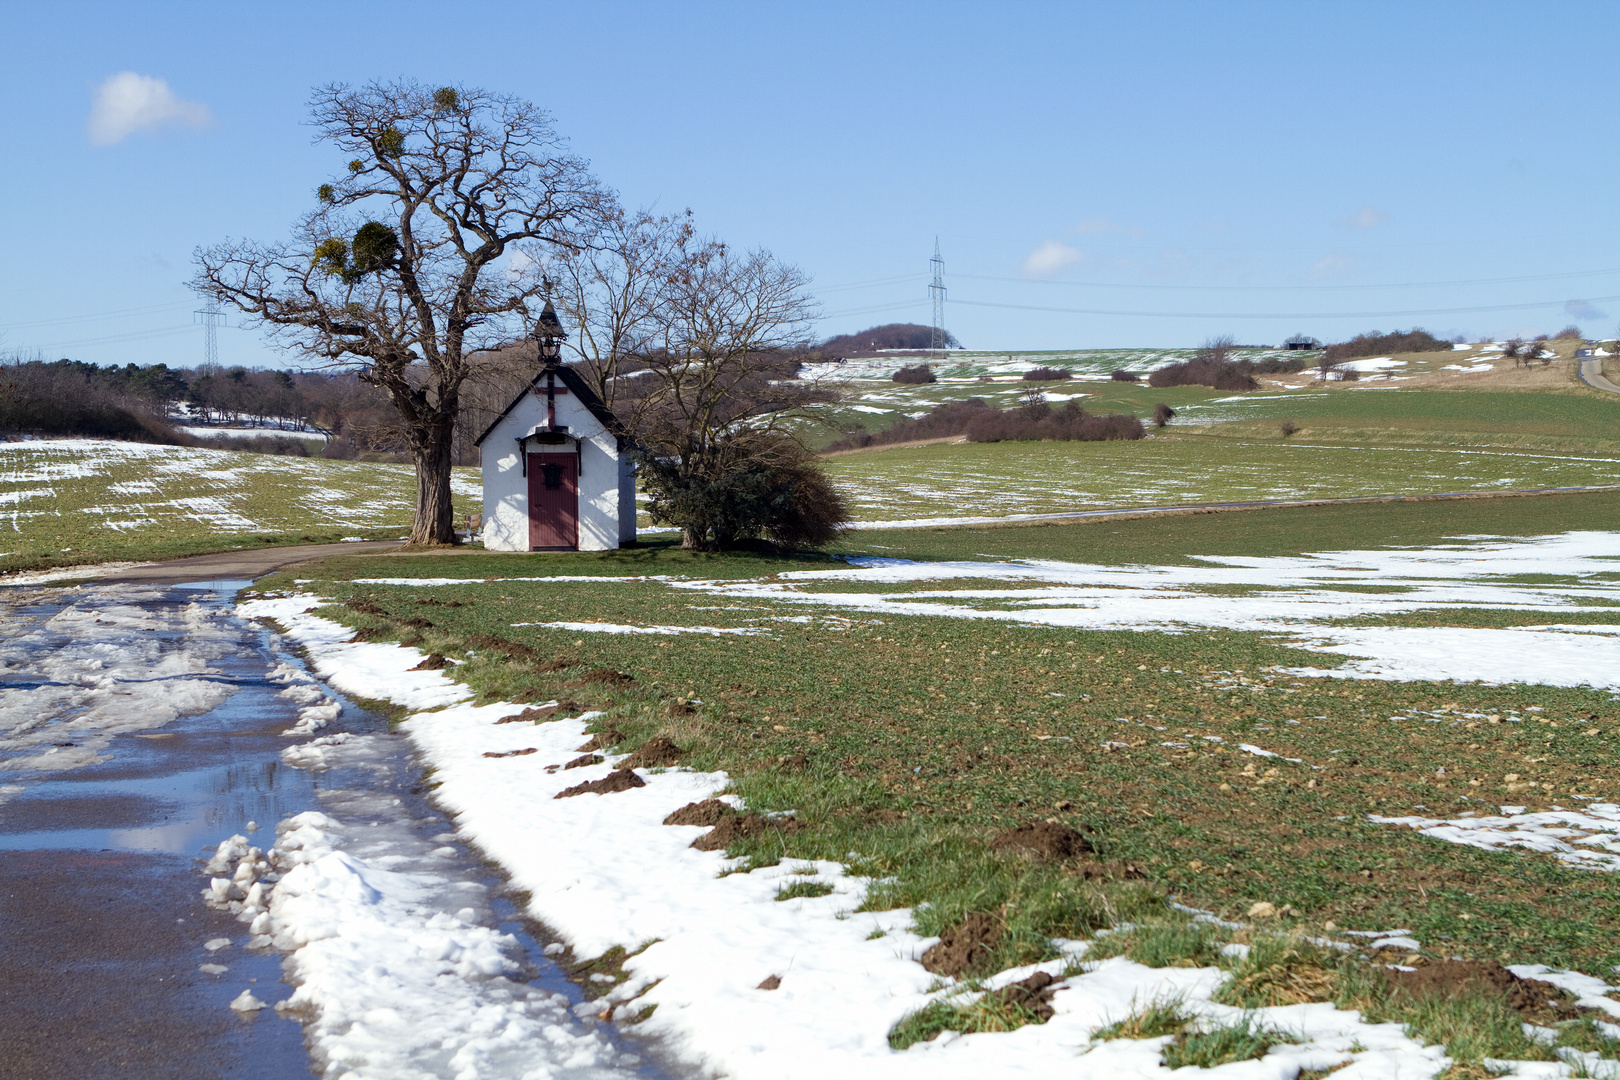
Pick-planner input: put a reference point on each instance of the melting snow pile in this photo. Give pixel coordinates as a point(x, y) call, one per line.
point(397, 974)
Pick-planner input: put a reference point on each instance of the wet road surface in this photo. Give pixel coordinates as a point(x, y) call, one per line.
point(109, 805)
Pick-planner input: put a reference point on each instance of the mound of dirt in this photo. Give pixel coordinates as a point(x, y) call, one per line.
point(512, 753)
point(584, 760)
point(706, 813)
point(365, 605)
point(1042, 839)
point(793, 763)
point(602, 740)
point(968, 949)
point(1443, 978)
point(677, 709)
point(729, 830)
point(432, 662)
point(769, 982)
point(509, 649)
point(543, 713)
point(600, 677)
point(654, 752)
point(1032, 995)
point(613, 781)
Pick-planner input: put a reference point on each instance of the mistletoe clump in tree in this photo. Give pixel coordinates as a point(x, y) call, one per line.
point(405, 266)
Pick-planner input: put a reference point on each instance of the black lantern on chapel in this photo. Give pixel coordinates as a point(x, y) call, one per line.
point(549, 332)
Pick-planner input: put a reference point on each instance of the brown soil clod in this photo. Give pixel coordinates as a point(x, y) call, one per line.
point(584, 760)
point(793, 763)
point(1043, 840)
point(1443, 978)
point(369, 634)
point(677, 709)
point(618, 780)
point(706, 813)
point(365, 605)
point(966, 949)
point(1031, 996)
point(728, 830)
point(602, 740)
point(540, 714)
point(512, 753)
point(509, 649)
point(432, 662)
point(604, 677)
point(770, 982)
point(656, 751)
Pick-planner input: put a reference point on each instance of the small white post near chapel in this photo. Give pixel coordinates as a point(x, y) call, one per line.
point(557, 473)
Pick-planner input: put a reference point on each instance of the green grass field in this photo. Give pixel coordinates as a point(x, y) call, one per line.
point(996, 479)
point(71, 501)
point(926, 735)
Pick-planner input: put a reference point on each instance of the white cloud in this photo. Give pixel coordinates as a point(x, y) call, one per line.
point(1051, 259)
point(1365, 218)
point(127, 103)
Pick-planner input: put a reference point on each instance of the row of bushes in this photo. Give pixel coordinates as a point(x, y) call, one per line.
point(979, 422)
point(915, 374)
point(1376, 344)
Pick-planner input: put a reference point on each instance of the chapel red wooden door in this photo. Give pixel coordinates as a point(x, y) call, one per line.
point(553, 501)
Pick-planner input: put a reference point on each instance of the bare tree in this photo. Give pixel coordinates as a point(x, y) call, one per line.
point(711, 394)
point(399, 270)
point(617, 293)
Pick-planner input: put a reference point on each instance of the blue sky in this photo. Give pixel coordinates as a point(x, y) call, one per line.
point(1187, 167)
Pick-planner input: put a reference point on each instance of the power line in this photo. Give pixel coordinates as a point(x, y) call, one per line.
point(1270, 288)
point(897, 305)
point(868, 284)
point(114, 339)
point(93, 318)
point(1288, 315)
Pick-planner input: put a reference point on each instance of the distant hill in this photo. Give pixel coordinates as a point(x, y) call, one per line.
point(888, 336)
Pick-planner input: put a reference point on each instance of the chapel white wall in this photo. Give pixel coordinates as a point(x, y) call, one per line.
point(601, 488)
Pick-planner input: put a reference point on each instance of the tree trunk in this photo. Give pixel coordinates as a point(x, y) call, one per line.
point(435, 521)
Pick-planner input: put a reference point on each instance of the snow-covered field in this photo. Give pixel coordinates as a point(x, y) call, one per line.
point(602, 870)
point(1304, 597)
point(62, 494)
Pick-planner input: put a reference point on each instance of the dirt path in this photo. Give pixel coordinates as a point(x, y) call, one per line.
point(231, 565)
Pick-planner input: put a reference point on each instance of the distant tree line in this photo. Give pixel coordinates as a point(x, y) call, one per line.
point(868, 342)
point(153, 403)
